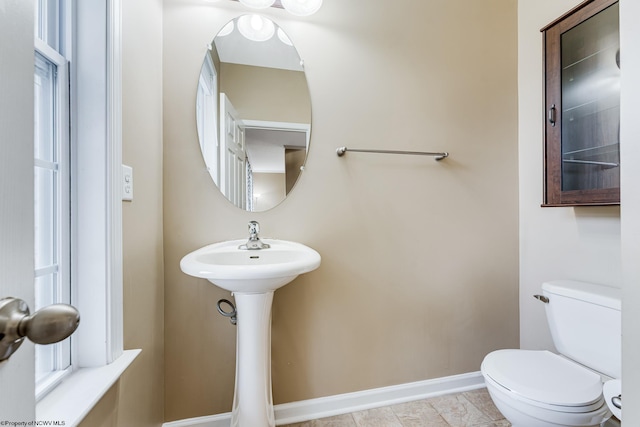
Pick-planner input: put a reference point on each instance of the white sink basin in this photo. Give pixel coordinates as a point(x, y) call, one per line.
point(250, 271)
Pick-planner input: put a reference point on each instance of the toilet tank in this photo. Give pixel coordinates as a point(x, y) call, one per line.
point(586, 323)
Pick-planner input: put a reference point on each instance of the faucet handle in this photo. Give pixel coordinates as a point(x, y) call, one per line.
point(254, 241)
point(254, 228)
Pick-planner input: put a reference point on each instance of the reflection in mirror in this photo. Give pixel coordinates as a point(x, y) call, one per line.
point(253, 113)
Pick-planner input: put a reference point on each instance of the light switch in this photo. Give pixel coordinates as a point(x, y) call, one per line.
point(127, 183)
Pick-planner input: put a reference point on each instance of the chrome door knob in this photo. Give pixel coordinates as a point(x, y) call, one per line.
point(46, 326)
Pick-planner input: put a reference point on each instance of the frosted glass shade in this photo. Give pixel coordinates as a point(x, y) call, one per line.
point(256, 27)
point(284, 38)
point(226, 30)
point(302, 7)
point(258, 4)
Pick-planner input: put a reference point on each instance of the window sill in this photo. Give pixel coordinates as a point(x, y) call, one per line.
point(72, 400)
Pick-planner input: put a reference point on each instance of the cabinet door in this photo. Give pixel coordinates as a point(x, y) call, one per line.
point(582, 147)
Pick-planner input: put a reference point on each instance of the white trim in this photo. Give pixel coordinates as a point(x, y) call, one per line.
point(385, 396)
point(98, 140)
point(72, 399)
point(312, 409)
point(51, 381)
point(283, 126)
point(221, 420)
point(268, 124)
point(57, 356)
point(115, 298)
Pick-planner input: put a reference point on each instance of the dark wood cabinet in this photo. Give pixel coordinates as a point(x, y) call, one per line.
point(582, 102)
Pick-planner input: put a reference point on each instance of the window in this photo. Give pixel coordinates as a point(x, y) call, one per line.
point(88, 34)
point(52, 188)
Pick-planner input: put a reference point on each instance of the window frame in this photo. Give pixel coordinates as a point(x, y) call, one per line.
point(97, 277)
point(96, 137)
point(60, 353)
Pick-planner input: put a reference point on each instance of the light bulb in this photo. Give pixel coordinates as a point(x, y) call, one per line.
point(256, 27)
point(257, 4)
point(302, 7)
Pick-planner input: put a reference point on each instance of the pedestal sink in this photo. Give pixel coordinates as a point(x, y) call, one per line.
point(252, 276)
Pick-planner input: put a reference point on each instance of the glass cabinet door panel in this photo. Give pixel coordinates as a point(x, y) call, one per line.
point(590, 120)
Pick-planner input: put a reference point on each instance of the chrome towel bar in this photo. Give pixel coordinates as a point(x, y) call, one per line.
point(438, 156)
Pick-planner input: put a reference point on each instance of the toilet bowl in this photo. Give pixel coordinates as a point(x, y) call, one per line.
point(538, 388)
point(612, 391)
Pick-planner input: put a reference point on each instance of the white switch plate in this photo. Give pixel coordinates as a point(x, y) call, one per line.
point(127, 183)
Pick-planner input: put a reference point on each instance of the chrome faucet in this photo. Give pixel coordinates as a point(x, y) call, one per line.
point(254, 242)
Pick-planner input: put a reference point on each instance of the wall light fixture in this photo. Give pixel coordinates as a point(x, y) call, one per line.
point(302, 7)
point(256, 27)
point(295, 7)
point(258, 4)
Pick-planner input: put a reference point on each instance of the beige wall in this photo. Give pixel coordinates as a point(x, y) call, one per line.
point(555, 243)
point(370, 316)
point(137, 399)
point(419, 277)
point(268, 94)
point(293, 164)
point(271, 187)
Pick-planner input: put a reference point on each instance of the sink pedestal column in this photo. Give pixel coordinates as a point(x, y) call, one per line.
point(252, 400)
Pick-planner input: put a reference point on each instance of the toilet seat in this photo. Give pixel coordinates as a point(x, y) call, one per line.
point(544, 379)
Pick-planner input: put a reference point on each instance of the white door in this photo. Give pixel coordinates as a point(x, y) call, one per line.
point(207, 118)
point(17, 394)
point(233, 167)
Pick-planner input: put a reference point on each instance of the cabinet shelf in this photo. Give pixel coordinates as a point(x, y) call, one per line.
point(595, 151)
point(600, 55)
point(591, 162)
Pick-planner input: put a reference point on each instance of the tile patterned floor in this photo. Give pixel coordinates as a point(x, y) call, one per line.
point(469, 409)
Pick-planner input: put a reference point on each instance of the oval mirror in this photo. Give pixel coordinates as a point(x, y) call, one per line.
point(253, 113)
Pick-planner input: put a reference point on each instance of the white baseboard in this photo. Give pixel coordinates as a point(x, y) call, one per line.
point(312, 409)
point(221, 420)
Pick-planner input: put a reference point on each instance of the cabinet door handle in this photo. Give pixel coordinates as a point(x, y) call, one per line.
point(552, 115)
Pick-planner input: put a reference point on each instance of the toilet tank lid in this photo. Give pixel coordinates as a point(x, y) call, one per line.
point(590, 292)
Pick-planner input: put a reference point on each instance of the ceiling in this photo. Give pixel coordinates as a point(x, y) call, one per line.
point(236, 49)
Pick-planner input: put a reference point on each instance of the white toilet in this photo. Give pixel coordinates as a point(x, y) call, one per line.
point(542, 389)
